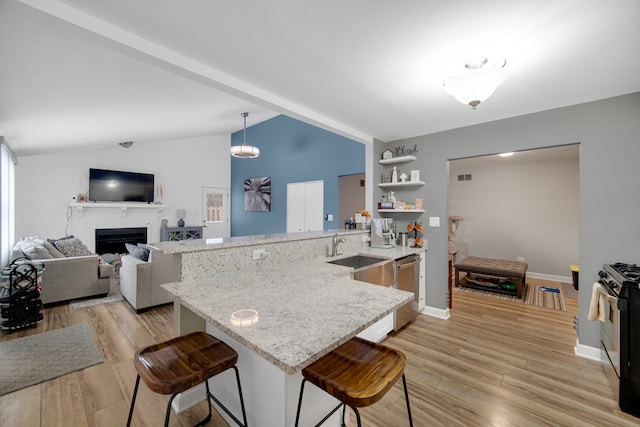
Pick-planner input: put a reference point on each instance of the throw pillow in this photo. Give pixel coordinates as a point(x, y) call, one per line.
point(55, 253)
point(71, 247)
point(55, 241)
point(33, 248)
point(138, 252)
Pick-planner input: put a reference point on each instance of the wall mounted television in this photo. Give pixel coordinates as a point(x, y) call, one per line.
point(117, 186)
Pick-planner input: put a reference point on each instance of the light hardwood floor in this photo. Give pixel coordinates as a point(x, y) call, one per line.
point(493, 363)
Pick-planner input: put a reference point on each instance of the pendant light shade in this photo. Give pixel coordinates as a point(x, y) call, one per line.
point(245, 151)
point(478, 83)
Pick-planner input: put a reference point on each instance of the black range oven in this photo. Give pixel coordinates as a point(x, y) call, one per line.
point(620, 332)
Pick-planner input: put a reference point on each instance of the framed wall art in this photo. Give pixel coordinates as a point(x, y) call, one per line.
point(257, 194)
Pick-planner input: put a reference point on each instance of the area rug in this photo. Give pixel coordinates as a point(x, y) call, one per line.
point(42, 357)
point(536, 294)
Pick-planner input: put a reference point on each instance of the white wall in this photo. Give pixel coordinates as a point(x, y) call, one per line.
point(45, 184)
point(524, 209)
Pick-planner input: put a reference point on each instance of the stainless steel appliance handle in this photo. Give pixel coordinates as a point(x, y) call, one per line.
point(406, 265)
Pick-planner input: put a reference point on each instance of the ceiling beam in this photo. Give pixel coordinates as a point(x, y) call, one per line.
point(169, 60)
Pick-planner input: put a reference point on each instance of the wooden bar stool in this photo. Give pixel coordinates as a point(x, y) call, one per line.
point(358, 373)
point(176, 365)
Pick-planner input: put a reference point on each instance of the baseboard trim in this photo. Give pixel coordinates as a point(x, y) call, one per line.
point(553, 278)
point(587, 352)
point(436, 312)
point(189, 398)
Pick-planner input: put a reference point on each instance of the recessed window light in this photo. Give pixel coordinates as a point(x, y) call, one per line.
point(506, 154)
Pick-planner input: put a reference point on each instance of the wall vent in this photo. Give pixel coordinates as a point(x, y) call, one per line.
point(466, 177)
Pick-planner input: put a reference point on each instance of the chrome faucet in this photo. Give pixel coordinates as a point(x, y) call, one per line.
point(334, 244)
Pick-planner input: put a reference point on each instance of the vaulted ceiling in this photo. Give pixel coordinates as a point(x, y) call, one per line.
point(82, 73)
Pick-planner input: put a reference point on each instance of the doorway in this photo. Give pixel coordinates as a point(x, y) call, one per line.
point(351, 196)
point(215, 212)
point(524, 207)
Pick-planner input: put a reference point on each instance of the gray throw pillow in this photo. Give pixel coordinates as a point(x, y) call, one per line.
point(55, 253)
point(138, 252)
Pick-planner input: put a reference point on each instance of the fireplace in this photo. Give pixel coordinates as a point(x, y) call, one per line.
point(112, 240)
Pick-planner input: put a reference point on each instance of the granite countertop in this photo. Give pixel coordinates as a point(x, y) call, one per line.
point(197, 245)
point(305, 309)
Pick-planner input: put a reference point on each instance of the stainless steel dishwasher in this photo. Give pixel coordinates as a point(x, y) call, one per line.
point(407, 279)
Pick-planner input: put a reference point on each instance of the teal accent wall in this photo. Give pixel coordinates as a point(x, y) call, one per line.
point(290, 151)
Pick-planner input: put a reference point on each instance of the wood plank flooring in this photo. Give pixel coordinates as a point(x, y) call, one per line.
point(493, 363)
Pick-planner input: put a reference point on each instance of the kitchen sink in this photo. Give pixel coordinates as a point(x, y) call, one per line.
point(357, 261)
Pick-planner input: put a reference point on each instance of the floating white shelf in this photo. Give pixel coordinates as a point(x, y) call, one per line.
point(123, 206)
point(401, 184)
point(400, 159)
point(402, 210)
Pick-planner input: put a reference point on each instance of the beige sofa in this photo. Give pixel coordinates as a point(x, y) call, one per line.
point(65, 277)
point(70, 278)
point(140, 280)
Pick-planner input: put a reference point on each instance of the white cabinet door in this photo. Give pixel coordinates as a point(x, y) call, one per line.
point(313, 205)
point(295, 207)
point(305, 206)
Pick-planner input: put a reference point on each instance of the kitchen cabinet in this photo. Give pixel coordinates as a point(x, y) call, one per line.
point(305, 206)
point(379, 330)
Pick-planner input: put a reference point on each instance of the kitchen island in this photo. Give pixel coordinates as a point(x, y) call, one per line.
point(279, 318)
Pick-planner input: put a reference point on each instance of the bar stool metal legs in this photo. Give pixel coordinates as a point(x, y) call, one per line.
point(173, 366)
point(358, 374)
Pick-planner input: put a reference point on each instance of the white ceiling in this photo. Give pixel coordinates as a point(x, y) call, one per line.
point(84, 73)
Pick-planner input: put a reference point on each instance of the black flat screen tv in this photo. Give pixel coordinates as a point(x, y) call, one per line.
point(117, 186)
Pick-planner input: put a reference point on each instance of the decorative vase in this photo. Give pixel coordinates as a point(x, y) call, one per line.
point(181, 222)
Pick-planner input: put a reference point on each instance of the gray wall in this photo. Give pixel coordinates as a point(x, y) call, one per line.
point(528, 209)
point(609, 135)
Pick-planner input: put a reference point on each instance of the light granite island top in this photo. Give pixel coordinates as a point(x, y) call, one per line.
point(305, 309)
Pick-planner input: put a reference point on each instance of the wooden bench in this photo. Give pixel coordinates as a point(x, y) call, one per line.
point(515, 271)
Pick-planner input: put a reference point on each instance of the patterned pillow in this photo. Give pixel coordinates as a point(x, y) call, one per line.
point(71, 246)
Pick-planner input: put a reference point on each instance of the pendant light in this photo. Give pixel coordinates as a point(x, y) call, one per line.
point(245, 151)
point(478, 83)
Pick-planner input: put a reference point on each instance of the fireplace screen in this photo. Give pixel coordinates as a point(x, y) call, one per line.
point(112, 240)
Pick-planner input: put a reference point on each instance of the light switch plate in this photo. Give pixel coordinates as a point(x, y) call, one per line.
point(434, 221)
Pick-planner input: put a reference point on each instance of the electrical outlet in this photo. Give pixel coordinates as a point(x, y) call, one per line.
point(520, 258)
point(259, 254)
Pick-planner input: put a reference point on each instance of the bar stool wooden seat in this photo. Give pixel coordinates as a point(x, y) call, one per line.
point(176, 365)
point(358, 373)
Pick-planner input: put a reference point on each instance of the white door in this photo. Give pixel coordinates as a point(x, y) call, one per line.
point(305, 206)
point(295, 207)
point(215, 212)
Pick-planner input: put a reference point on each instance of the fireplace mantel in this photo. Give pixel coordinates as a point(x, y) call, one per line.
point(123, 206)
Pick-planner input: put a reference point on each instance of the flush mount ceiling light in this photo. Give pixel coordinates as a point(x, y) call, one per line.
point(478, 83)
point(245, 151)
